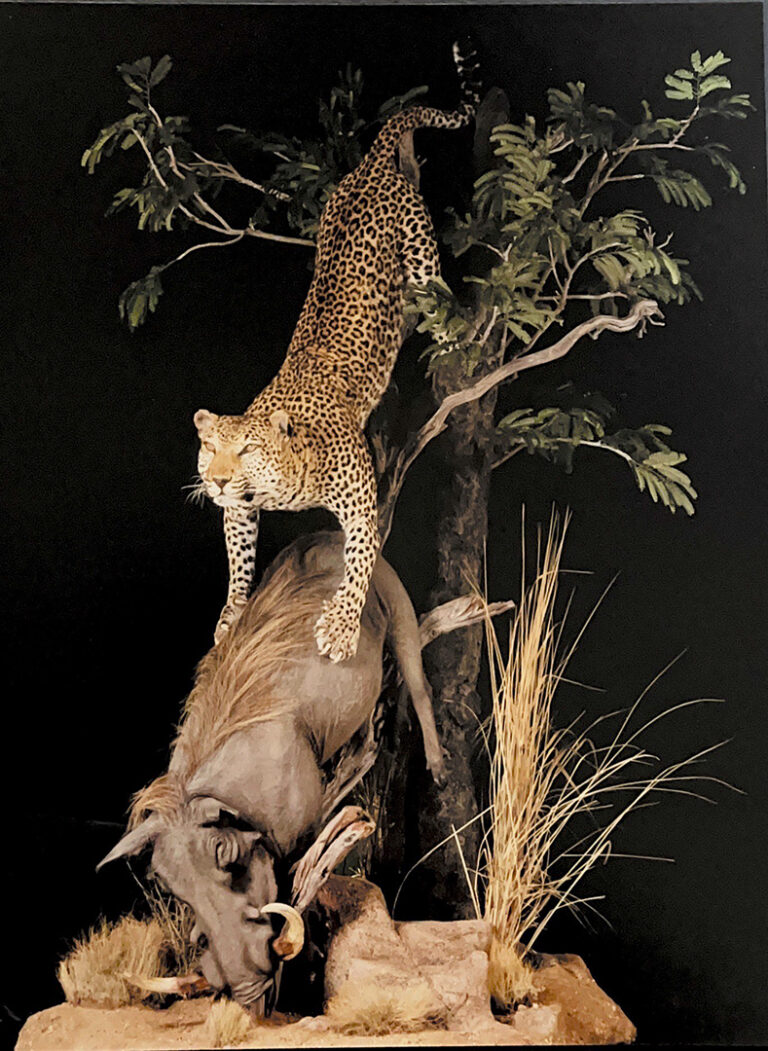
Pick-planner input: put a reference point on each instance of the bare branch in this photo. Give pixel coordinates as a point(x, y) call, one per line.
point(597, 296)
point(229, 171)
point(578, 166)
point(644, 311)
point(458, 612)
point(253, 231)
point(507, 456)
point(207, 244)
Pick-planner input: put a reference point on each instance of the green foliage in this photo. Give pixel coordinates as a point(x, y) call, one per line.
point(179, 185)
point(555, 433)
point(538, 251)
point(531, 215)
point(307, 172)
point(140, 298)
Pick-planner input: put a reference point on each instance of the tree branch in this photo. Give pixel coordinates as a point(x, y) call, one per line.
point(645, 310)
point(458, 612)
point(221, 226)
point(507, 455)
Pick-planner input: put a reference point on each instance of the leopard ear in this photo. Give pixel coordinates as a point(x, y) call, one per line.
point(281, 421)
point(204, 421)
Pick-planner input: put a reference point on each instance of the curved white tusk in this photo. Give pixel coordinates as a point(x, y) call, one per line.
point(290, 941)
point(181, 985)
point(250, 912)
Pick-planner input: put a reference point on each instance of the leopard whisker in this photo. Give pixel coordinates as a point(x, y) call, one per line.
point(196, 491)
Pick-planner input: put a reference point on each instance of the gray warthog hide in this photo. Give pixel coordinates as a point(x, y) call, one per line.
point(273, 736)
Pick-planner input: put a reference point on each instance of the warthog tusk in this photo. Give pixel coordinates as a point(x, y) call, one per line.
point(291, 939)
point(182, 985)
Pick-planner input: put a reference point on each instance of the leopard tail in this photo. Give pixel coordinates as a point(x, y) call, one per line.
point(388, 140)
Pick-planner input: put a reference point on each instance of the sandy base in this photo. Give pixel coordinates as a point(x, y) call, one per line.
point(68, 1028)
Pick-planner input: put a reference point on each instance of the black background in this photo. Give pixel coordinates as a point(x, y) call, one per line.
point(114, 582)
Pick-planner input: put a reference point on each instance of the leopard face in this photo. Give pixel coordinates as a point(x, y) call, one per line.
point(242, 460)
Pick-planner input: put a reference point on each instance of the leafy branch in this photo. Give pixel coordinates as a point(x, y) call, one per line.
point(547, 258)
point(556, 433)
point(180, 184)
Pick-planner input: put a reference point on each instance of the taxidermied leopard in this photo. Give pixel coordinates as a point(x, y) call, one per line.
point(300, 443)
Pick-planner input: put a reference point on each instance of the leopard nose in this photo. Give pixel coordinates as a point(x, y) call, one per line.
point(221, 482)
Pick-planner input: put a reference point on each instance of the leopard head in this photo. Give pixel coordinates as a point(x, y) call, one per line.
point(242, 459)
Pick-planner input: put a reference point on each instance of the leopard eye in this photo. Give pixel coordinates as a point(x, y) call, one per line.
point(248, 449)
point(210, 447)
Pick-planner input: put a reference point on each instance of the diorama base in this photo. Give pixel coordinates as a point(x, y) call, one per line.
point(182, 1027)
point(368, 955)
point(571, 1009)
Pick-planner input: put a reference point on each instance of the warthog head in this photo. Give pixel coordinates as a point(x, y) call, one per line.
point(225, 871)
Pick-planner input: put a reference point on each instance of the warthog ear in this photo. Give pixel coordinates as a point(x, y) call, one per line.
point(208, 810)
point(133, 842)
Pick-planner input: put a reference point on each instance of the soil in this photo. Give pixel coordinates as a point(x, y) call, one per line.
point(181, 1026)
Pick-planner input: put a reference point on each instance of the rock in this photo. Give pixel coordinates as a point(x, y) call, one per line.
point(453, 957)
point(367, 946)
point(364, 945)
point(586, 1015)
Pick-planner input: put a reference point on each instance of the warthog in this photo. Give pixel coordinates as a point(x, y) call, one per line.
point(272, 737)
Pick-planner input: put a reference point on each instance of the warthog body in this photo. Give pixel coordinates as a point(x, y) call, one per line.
point(265, 751)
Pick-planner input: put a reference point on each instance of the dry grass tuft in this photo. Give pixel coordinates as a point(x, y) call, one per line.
point(369, 1009)
point(227, 1024)
point(510, 978)
point(92, 972)
point(176, 920)
point(545, 781)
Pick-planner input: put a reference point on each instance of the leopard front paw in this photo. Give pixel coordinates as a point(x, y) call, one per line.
point(228, 616)
point(337, 631)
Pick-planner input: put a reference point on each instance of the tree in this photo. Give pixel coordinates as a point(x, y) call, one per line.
point(538, 258)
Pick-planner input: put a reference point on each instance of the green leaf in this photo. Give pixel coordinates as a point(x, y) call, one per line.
point(683, 89)
point(161, 71)
point(713, 84)
point(683, 93)
point(696, 61)
point(713, 62)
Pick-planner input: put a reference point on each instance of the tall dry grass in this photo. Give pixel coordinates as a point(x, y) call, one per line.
point(544, 780)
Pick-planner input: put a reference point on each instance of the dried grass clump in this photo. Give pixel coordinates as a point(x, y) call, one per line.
point(176, 920)
point(227, 1024)
point(92, 973)
point(510, 977)
point(369, 1009)
point(544, 781)
point(108, 966)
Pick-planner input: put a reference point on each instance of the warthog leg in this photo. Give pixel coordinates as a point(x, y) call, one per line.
point(333, 844)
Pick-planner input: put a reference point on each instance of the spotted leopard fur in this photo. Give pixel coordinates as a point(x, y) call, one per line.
point(301, 442)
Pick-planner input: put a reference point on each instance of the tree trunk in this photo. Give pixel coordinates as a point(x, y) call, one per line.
point(452, 661)
point(417, 815)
